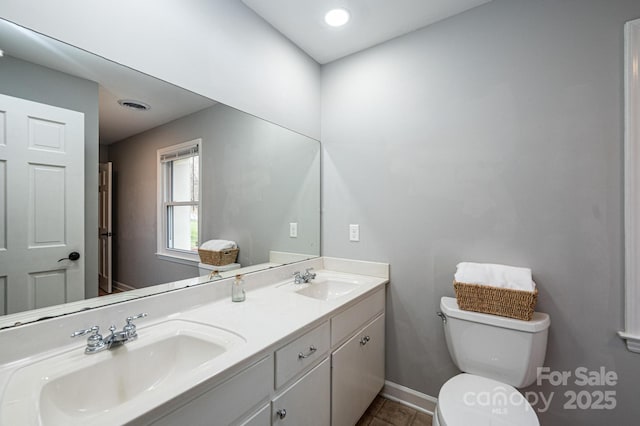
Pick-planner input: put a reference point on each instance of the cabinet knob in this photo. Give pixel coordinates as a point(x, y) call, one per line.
point(364, 340)
point(312, 349)
point(282, 413)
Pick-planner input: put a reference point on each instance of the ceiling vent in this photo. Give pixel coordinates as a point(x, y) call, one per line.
point(135, 105)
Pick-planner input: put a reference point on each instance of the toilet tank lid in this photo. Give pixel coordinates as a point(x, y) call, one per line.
point(539, 322)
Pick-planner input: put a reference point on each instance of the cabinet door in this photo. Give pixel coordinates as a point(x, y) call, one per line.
point(306, 402)
point(357, 373)
point(261, 418)
point(227, 402)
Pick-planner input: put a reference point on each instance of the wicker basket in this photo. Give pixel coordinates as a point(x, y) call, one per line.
point(218, 258)
point(505, 302)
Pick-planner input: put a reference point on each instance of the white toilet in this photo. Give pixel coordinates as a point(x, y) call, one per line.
point(497, 355)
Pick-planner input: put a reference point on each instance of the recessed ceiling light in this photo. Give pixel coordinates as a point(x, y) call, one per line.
point(337, 17)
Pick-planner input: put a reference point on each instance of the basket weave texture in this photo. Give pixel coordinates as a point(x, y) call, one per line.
point(505, 302)
point(218, 258)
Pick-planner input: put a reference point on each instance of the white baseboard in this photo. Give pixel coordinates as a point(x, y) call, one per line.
point(121, 286)
point(409, 397)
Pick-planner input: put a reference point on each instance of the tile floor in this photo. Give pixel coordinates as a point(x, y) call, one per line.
point(384, 412)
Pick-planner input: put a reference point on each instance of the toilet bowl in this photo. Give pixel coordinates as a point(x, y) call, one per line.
point(467, 399)
point(497, 355)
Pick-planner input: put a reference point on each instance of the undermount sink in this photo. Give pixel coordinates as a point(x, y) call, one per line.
point(327, 290)
point(75, 388)
point(328, 285)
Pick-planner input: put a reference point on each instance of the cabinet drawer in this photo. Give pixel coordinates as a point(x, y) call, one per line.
point(295, 357)
point(227, 402)
point(348, 322)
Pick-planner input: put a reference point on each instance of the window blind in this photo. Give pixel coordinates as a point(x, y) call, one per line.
point(191, 151)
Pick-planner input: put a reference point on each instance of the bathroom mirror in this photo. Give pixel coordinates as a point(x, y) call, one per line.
point(257, 183)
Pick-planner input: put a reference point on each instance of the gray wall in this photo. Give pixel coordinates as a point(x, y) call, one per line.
point(103, 153)
point(39, 84)
point(256, 178)
point(218, 48)
point(493, 136)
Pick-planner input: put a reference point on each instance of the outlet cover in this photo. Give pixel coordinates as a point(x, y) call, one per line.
point(354, 232)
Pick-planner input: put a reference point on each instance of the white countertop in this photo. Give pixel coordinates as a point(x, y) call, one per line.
point(270, 316)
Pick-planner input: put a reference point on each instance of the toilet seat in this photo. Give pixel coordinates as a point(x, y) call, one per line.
point(467, 399)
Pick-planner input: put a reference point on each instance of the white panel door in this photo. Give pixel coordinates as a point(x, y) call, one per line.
point(105, 228)
point(41, 205)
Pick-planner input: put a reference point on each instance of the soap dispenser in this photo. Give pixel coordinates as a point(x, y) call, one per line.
point(237, 289)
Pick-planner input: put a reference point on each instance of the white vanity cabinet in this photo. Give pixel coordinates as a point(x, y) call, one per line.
point(338, 390)
point(325, 376)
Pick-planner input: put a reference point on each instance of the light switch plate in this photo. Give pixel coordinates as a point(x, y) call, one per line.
point(354, 232)
point(293, 229)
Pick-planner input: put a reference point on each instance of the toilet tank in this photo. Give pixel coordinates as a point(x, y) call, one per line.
point(499, 348)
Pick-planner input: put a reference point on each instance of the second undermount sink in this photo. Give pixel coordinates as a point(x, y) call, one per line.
point(327, 290)
point(328, 285)
point(75, 388)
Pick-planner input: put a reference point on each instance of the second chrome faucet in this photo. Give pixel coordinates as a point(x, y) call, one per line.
point(299, 278)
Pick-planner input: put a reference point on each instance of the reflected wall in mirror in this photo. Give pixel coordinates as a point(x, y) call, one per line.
point(254, 180)
point(257, 178)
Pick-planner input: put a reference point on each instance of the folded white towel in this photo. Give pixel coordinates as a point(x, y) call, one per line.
point(218, 245)
point(495, 275)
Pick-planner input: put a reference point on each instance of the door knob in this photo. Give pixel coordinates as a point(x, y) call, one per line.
point(74, 255)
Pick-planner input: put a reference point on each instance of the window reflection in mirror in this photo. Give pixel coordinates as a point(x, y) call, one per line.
point(179, 206)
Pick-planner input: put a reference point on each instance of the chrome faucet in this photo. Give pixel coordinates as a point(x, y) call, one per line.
point(96, 343)
point(299, 278)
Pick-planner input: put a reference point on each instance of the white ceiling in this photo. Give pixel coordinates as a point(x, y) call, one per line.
point(372, 21)
point(168, 102)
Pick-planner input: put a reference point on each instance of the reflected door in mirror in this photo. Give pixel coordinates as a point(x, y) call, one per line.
point(105, 226)
point(42, 181)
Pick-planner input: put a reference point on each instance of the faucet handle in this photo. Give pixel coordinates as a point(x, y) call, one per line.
point(130, 328)
point(135, 317)
point(95, 343)
point(309, 275)
point(93, 330)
